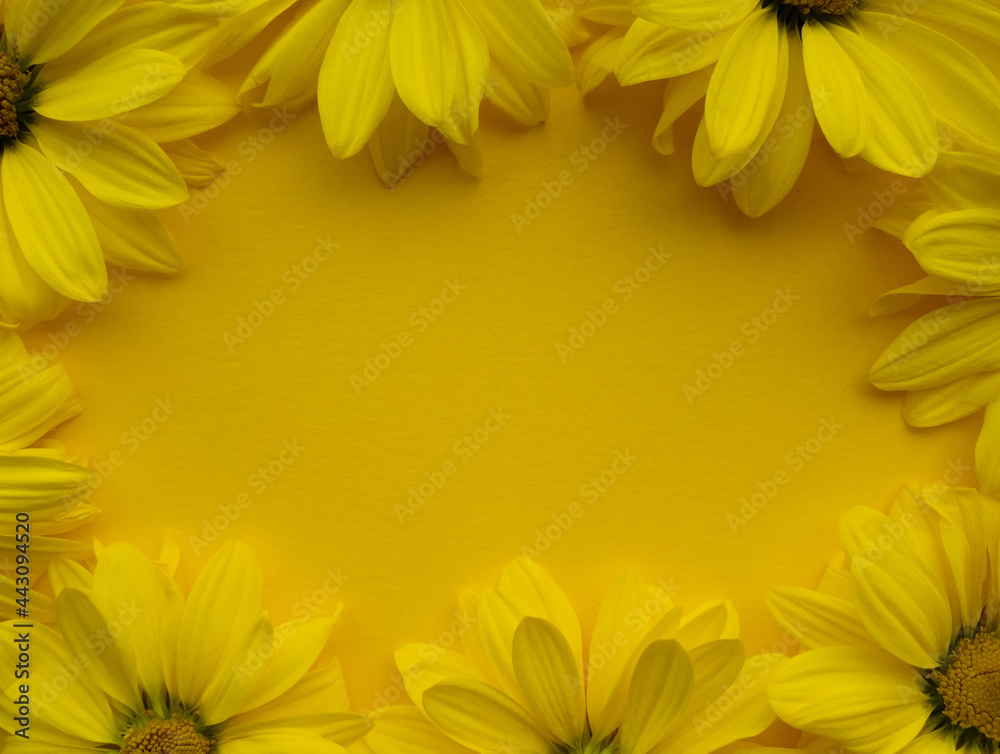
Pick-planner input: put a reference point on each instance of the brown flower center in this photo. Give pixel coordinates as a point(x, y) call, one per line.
point(970, 686)
point(12, 82)
point(173, 736)
point(836, 7)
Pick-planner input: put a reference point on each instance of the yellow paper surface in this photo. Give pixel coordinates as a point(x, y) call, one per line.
point(180, 418)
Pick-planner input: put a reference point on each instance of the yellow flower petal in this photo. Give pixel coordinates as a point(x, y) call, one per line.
point(540, 592)
point(751, 71)
point(913, 293)
point(41, 35)
point(294, 652)
point(296, 56)
point(423, 665)
point(694, 14)
point(299, 741)
point(478, 716)
point(64, 697)
point(598, 60)
point(119, 165)
point(988, 452)
point(499, 615)
point(33, 399)
point(32, 483)
point(659, 691)
point(960, 89)
point(198, 167)
point(740, 711)
point(51, 225)
point(905, 611)
point(904, 134)
point(403, 730)
point(521, 36)
point(607, 663)
point(216, 8)
point(239, 671)
point(124, 576)
point(342, 728)
point(423, 59)
point(146, 25)
point(817, 619)
point(549, 675)
point(650, 52)
point(838, 94)
point(472, 75)
point(963, 181)
point(64, 573)
point(951, 402)
point(235, 32)
point(947, 344)
point(94, 635)
point(24, 296)
point(321, 693)
point(113, 85)
point(608, 12)
point(959, 246)
point(771, 174)
point(632, 617)
point(197, 104)
point(866, 699)
point(221, 611)
point(136, 240)
point(717, 664)
point(399, 144)
point(525, 102)
point(355, 81)
point(710, 621)
point(680, 96)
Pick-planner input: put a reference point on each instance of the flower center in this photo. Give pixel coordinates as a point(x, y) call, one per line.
point(835, 7)
point(12, 81)
point(173, 736)
point(970, 685)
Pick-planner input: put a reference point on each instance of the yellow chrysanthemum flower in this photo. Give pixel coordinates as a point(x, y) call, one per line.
point(655, 680)
point(86, 95)
point(135, 666)
point(386, 72)
point(877, 78)
point(902, 634)
point(42, 488)
point(948, 359)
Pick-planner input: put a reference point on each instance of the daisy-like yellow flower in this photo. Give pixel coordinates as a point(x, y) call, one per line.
point(948, 360)
point(902, 634)
point(655, 680)
point(134, 665)
point(42, 487)
point(877, 77)
point(387, 72)
point(87, 92)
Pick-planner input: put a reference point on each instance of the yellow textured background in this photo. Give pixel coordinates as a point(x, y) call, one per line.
point(495, 347)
